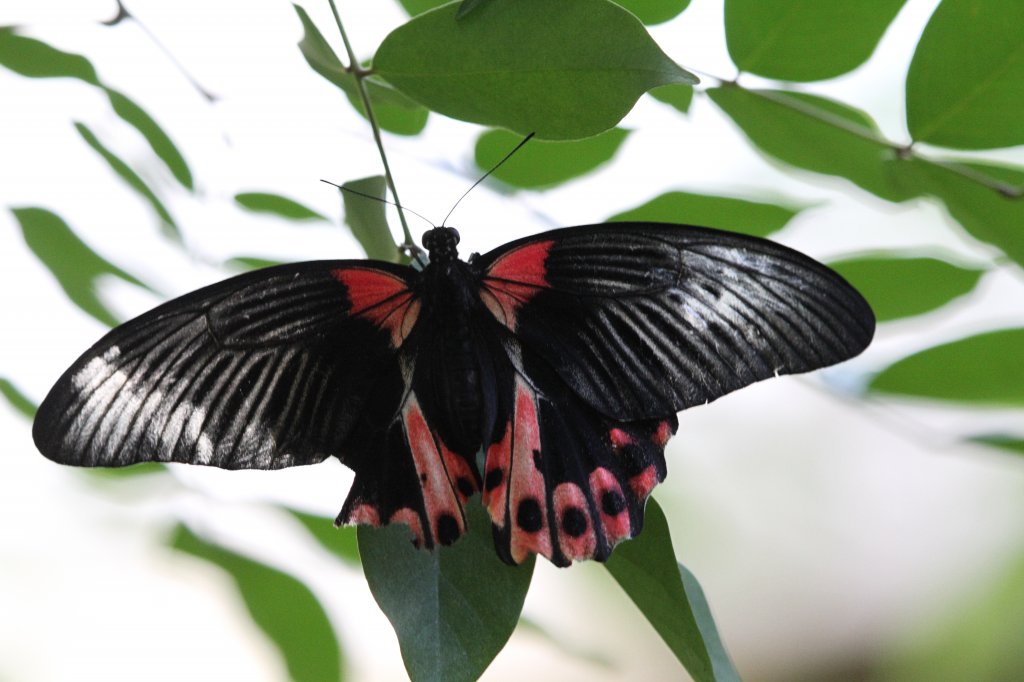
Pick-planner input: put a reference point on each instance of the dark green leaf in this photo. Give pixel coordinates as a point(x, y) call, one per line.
point(468, 6)
point(250, 263)
point(453, 608)
point(1014, 444)
point(367, 218)
point(677, 96)
point(414, 7)
point(341, 541)
point(965, 86)
point(726, 213)
point(35, 59)
point(900, 287)
point(394, 111)
point(275, 204)
point(987, 369)
point(816, 134)
point(283, 607)
point(18, 400)
point(654, 11)
point(75, 266)
point(545, 164)
point(985, 213)
point(131, 178)
point(158, 140)
point(670, 598)
point(805, 40)
point(510, 65)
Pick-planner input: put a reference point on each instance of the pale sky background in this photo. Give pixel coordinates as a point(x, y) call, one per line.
point(819, 527)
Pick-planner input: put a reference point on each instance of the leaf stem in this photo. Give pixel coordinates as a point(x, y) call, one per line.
point(361, 74)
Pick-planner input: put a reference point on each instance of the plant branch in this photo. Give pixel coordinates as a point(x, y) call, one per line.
point(360, 74)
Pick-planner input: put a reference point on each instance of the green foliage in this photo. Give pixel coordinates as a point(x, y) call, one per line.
point(670, 598)
point(541, 163)
point(987, 369)
point(980, 42)
point(453, 609)
point(654, 11)
point(341, 542)
point(738, 215)
point(676, 96)
point(900, 287)
point(283, 607)
point(275, 204)
point(536, 80)
point(367, 218)
point(18, 400)
point(805, 40)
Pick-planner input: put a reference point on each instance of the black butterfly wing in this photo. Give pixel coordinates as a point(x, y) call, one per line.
point(645, 319)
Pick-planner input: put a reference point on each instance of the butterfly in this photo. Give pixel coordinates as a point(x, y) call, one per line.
point(545, 375)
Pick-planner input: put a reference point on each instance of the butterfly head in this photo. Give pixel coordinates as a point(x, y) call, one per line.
point(441, 243)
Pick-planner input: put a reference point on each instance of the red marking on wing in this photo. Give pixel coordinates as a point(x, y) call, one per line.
point(412, 519)
point(459, 473)
point(514, 279)
point(643, 483)
point(616, 526)
point(662, 434)
point(526, 480)
point(439, 496)
point(382, 298)
point(364, 514)
point(496, 466)
point(568, 497)
point(620, 438)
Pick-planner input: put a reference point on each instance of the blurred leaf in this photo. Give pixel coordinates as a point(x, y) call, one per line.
point(1014, 444)
point(132, 471)
point(677, 96)
point(816, 134)
point(541, 163)
point(394, 111)
point(805, 40)
point(75, 266)
point(131, 178)
point(985, 213)
point(654, 11)
point(725, 213)
point(35, 59)
point(158, 140)
point(250, 263)
point(591, 654)
point(18, 400)
point(340, 542)
point(901, 287)
point(509, 64)
point(367, 219)
point(987, 368)
point(979, 637)
point(670, 598)
point(965, 86)
point(275, 204)
point(453, 608)
point(281, 606)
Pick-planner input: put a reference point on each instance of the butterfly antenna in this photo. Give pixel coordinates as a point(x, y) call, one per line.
point(484, 176)
point(380, 199)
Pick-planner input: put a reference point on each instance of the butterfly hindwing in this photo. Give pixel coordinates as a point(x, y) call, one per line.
point(645, 319)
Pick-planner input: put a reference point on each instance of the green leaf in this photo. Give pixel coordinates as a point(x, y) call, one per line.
point(654, 11)
point(123, 473)
point(36, 59)
point(805, 40)
point(75, 266)
point(158, 140)
point(414, 7)
point(677, 96)
point(670, 598)
point(987, 369)
point(987, 214)
point(367, 218)
point(816, 134)
point(452, 608)
point(899, 287)
point(281, 606)
point(510, 65)
point(725, 213)
point(250, 263)
point(131, 178)
point(541, 163)
point(1014, 444)
point(965, 86)
point(18, 400)
point(468, 6)
point(340, 541)
point(394, 111)
point(275, 204)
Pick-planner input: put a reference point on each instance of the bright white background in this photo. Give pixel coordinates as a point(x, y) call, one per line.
point(822, 529)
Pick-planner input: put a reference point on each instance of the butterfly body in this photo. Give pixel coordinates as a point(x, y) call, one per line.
point(562, 358)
